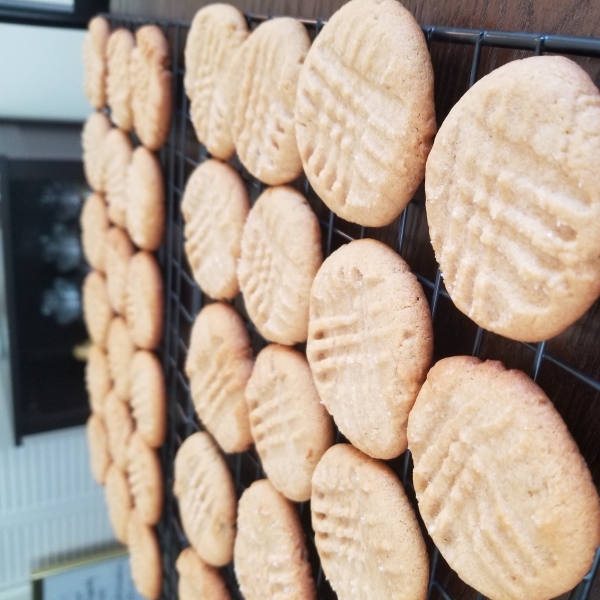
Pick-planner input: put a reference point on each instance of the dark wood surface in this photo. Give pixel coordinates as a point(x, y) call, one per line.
point(578, 404)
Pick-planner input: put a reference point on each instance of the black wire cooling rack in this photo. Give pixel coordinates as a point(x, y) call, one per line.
point(567, 371)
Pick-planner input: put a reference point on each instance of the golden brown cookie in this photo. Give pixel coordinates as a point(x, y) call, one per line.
point(281, 253)
point(97, 312)
point(97, 378)
point(120, 350)
point(219, 363)
point(118, 79)
point(94, 227)
point(144, 307)
point(215, 206)
point(370, 342)
point(94, 61)
point(216, 31)
point(199, 580)
point(148, 398)
point(262, 79)
point(145, 200)
point(118, 151)
point(289, 425)
point(117, 255)
point(118, 501)
point(269, 555)
point(145, 478)
point(207, 501)
point(365, 116)
point(151, 96)
point(119, 427)
point(144, 557)
point(93, 135)
point(206, 53)
point(513, 202)
point(501, 486)
point(97, 440)
point(366, 531)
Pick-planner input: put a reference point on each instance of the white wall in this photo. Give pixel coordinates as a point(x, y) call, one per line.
point(41, 73)
point(50, 507)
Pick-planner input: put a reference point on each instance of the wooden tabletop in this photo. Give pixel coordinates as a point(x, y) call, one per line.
point(576, 401)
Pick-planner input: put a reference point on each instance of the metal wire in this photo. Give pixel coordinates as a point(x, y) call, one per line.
point(184, 299)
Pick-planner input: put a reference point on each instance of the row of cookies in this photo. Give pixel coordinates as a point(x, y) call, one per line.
point(122, 300)
point(355, 110)
point(123, 313)
point(122, 437)
point(132, 498)
point(122, 223)
point(128, 398)
point(131, 75)
point(132, 184)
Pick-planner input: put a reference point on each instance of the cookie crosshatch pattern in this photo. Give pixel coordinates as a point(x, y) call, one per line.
point(566, 367)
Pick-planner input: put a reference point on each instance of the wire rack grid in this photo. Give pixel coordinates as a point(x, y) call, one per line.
point(184, 299)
